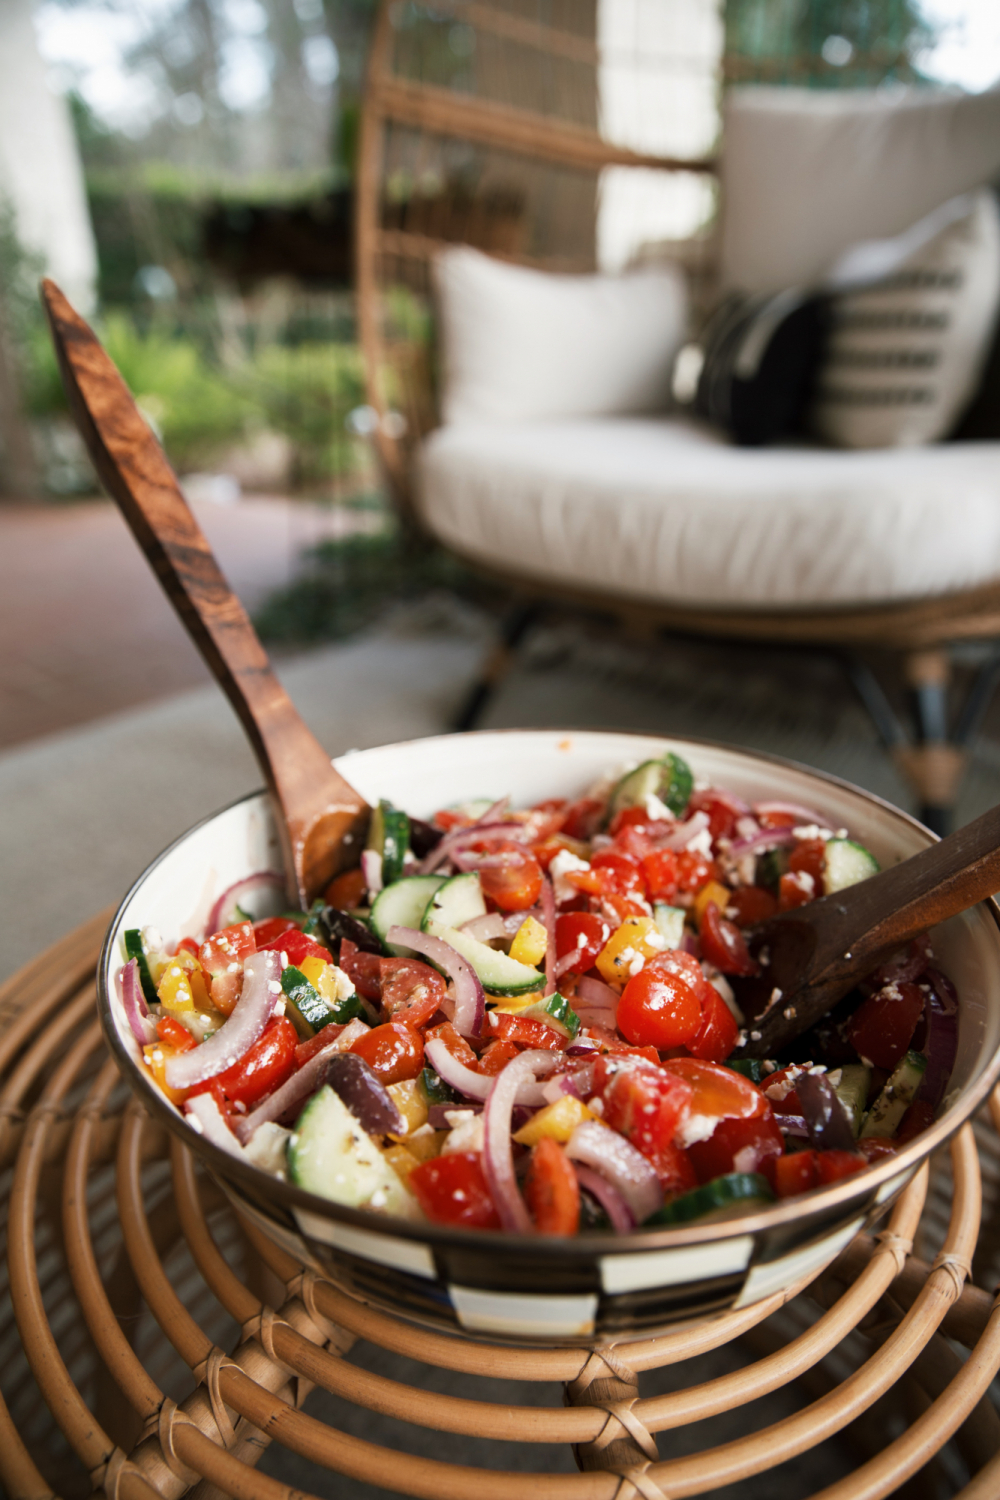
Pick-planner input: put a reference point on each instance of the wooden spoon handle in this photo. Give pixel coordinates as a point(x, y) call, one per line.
point(318, 810)
point(881, 914)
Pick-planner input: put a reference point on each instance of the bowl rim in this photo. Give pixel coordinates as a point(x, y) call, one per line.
point(583, 1248)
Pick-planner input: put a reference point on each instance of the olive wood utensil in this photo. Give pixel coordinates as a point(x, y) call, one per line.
point(810, 957)
point(321, 817)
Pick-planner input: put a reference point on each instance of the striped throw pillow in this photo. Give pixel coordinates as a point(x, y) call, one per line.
point(905, 350)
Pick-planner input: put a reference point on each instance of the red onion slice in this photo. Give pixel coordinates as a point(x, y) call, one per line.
point(768, 838)
point(261, 986)
point(470, 999)
point(224, 913)
point(204, 1115)
point(485, 929)
point(554, 1090)
point(371, 869)
point(610, 1199)
point(136, 1010)
point(498, 1160)
point(549, 923)
point(685, 832)
point(302, 1083)
point(941, 1044)
point(477, 1085)
point(596, 994)
point(491, 825)
point(619, 1163)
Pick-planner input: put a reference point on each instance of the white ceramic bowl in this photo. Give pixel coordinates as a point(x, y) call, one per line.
point(594, 1286)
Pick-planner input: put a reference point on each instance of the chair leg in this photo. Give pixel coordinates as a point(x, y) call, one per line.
point(934, 764)
point(497, 665)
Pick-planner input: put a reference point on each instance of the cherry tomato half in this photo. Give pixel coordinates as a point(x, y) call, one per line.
point(580, 936)
point(718, 1033)
point(394, 1052)
point(296, 946)
point(511, 877)
point(722, 809)
point(746, 1145)
point(723, 944)
point(264, 1068)
point(718, 1090)
point(658, 1009)
point(411, 991)
point(646, 1105)
point(751, 904)
point(881, 1028)
point(452, 1189)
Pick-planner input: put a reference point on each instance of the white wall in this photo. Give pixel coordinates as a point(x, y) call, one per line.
point(40, 170)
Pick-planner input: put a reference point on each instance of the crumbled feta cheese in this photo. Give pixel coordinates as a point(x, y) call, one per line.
point(267, 1146)
point(565, 861)
point(345, 986)
point(813, 831)
point(274, 986)
point(696, 1128)
point(657, 810)
point(700, 843)
point(466, 1133)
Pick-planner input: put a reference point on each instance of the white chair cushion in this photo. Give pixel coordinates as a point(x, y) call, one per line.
point(867, 163)
point(520, 345)
point(664, 510)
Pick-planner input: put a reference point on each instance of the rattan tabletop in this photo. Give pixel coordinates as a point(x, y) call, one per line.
point(154, 1343)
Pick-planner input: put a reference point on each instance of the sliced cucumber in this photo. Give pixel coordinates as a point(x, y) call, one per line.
point(555, 1011)
point(402, 904)
point(852, 1091)
point(134, 949)
point(669, 923)
point(454, 903)
point(330, 1154)
point(389, 836)
point(885, 1115)
point(716, 1198)
point(304, 1005)
point(845, 863)
point(670, 779)
point(437, 1091)
point(770, 868)
point(497, 973)
point(750, 1067)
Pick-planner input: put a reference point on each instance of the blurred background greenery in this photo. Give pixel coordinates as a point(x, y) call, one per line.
point(217, 141)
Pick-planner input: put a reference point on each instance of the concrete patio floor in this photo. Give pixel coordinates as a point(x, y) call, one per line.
point(86, 629)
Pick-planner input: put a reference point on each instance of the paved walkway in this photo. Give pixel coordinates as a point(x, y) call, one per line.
point(86, 630)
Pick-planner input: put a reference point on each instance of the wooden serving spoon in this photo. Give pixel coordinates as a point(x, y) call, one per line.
point(810, 957)
point(321, 817)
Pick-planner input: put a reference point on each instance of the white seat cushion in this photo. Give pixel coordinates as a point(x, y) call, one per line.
point(663, 510)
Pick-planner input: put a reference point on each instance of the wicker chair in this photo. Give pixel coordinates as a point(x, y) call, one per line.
point(508, 160)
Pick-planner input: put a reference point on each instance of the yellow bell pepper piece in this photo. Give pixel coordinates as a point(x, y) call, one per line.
point(156, 1056)
point(530, 942)
point(558, 1120)
point(637, 938)
point(411, 1101)
point(713, 891)
point(174, 991)
point(400, 1159)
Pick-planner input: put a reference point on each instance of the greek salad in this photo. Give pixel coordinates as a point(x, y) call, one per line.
point(521, 1019)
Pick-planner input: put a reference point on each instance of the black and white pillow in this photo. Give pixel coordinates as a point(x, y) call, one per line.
point(906, 348)
point(758, 359)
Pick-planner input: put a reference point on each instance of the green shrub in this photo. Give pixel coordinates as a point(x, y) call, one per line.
point(306, 392)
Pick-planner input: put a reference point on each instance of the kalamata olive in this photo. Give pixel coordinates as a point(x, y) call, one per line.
point(365, 1096)
point(829, 1127)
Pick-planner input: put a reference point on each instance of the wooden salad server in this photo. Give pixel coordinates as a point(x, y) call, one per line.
point(321, 817)
point(810, 957)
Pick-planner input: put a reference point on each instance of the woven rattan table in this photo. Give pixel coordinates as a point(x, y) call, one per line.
point(130, 1276)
